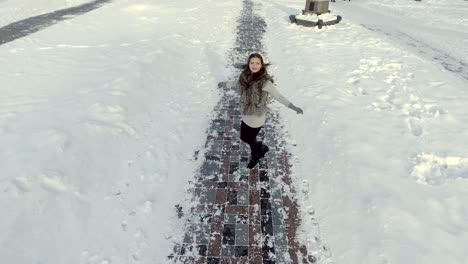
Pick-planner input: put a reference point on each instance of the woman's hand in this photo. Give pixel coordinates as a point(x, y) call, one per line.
point(295, 108)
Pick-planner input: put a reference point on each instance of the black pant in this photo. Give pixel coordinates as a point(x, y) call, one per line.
point(249, 136)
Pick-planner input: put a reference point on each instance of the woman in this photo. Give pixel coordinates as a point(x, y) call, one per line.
point(255, 87)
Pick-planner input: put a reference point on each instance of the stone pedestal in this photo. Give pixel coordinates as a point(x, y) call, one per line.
point(316, 7)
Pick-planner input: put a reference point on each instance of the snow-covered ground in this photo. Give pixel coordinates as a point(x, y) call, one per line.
point(382, 146)
point(99, 119)
point(100, 116)
point(434, 30)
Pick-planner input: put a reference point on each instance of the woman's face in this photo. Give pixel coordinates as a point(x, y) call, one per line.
point(255, 64)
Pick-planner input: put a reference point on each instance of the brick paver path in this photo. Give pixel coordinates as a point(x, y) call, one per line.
point(241, 215)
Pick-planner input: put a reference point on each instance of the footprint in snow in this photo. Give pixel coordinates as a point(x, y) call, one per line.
point(22, 184)
point(414, 126)
point(108, 119)
point(53, 184)
point(435, 170)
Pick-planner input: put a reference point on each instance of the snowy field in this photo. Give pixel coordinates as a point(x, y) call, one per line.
point(100, 116)
point(99, 119)
point(382, 148)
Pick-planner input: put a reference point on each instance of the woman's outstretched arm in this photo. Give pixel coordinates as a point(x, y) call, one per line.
point(270, 88)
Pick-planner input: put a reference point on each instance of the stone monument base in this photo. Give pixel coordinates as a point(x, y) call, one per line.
point(312, 20)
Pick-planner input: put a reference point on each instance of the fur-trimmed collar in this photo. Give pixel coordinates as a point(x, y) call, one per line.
point(247, 78)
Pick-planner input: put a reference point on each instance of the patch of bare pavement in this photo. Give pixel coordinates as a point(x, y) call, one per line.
point(31, 25)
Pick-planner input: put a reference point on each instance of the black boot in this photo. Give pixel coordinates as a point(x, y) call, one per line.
point(253, 162)
point(262, 150)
